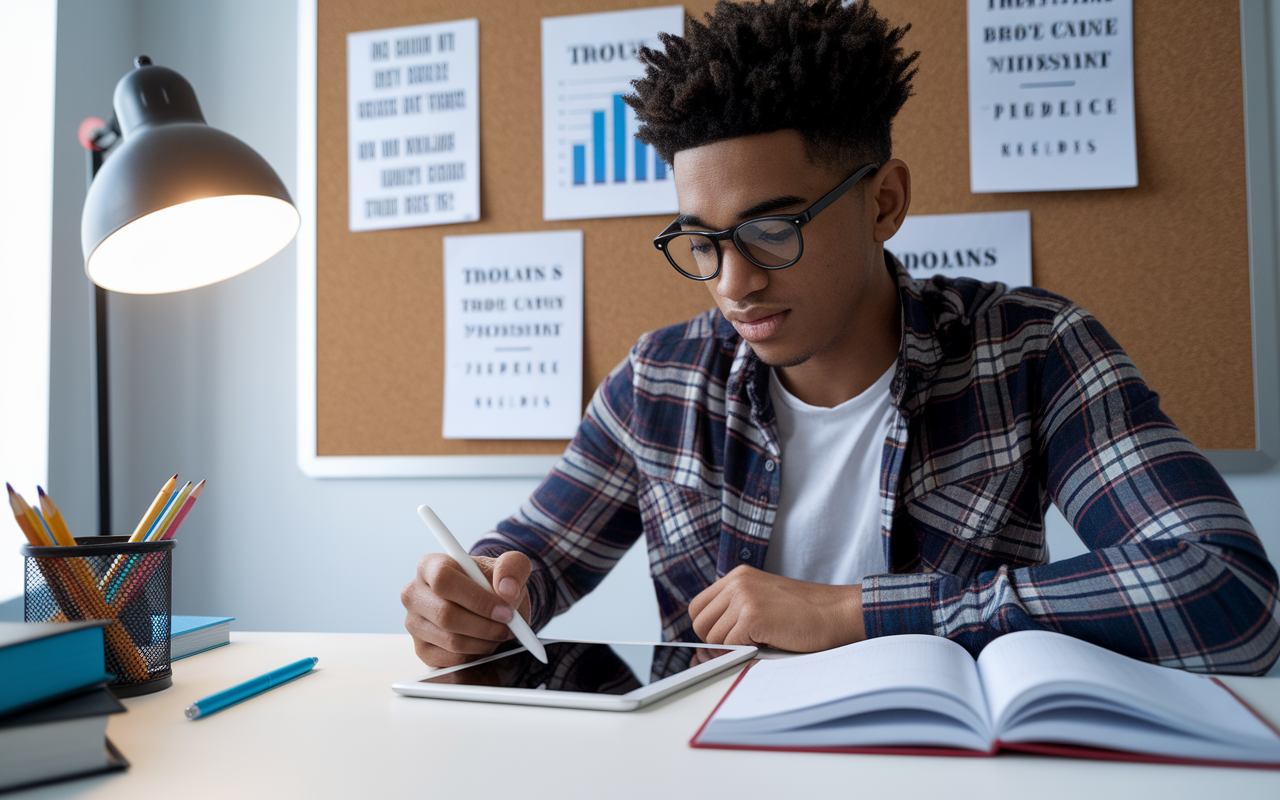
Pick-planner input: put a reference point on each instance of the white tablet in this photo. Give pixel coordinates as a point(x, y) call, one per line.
point(605, 676)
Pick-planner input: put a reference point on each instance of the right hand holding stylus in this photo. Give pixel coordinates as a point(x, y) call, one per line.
point(451, 618)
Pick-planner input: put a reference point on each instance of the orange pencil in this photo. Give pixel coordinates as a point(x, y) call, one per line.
point(139, 532)
point(157, 506)
point(52, 516)
point(170, 511)
point(132, 578)
point(78, 581)
point(27, 520)
point(55, 573)
point(35, 536)
point(120, 597)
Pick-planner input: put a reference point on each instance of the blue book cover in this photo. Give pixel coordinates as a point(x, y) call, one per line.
point(43, 660)
point(181, 624)
point(189, 635)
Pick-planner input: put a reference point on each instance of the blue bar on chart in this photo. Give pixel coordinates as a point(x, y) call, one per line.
point(642, 160)
point(659, 169)
point(579, 165)
point(597, 136)
point(619, 140)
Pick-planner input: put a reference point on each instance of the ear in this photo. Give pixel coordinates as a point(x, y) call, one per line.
point(891, 191)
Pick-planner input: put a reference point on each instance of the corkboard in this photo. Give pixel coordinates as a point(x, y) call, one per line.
point(1165, 266)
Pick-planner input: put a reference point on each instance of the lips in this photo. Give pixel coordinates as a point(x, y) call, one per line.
point(756, 328)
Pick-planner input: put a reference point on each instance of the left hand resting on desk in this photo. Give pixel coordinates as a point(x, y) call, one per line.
point(752, 607)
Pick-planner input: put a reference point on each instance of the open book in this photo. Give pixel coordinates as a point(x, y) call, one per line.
point(1032, 691)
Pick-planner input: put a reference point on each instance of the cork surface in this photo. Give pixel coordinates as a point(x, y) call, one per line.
point(1164, 266)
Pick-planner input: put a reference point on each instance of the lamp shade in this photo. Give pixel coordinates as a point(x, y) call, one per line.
point(178, 204)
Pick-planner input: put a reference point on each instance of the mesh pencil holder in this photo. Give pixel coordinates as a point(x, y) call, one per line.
point(107, 577)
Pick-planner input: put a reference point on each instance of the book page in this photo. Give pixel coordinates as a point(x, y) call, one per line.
point(1023, 664)
point(910, 661)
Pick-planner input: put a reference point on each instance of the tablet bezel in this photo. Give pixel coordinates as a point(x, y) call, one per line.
point(630, 701)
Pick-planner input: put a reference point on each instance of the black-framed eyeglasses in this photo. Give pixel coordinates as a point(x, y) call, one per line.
point(769, 242)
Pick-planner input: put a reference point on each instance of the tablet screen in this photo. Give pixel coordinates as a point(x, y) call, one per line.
point(583, 667)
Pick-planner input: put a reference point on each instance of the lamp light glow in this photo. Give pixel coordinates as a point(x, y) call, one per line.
point(193, 244)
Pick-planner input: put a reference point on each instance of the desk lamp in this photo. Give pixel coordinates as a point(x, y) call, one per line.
point(176, 205)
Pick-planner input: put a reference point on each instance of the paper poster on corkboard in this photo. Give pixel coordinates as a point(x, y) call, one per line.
point(1164, 265)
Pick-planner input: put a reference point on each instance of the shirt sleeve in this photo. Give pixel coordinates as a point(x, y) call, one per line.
point(584, 516)
point(1175, 575)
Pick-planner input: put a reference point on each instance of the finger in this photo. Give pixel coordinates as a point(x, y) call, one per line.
point(447, 580)
point(700, 601)
point(728, 619)
point(434, 655)
point(711, 613)
point(428, 631)
point(487, 566)
point(426, 602)
point(741, 634)
point(510, 574)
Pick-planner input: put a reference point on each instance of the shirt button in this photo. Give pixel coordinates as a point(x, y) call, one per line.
point(768, 465)
point(744, 553)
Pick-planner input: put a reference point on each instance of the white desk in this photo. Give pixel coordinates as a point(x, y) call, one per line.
point(342, 732)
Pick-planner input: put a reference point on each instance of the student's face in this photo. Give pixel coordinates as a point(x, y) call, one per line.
point(788, 315)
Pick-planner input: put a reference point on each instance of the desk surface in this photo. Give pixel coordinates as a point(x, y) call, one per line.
point(342, 732)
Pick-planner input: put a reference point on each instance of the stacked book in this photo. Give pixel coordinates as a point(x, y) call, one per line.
point(191, 635)
point(54, 703)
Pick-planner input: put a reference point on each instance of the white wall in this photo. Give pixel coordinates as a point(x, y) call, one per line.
point(27, 37)
point(204, 380)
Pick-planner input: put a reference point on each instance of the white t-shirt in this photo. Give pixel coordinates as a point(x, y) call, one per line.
point(828, 523)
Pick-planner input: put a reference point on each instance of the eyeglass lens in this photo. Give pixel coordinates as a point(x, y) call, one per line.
point(693, 254)
point(768, 242)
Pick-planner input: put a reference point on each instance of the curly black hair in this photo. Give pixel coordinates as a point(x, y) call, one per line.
point(833, 72)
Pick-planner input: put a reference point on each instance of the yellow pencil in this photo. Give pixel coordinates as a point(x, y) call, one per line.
point(56, 574)
point(35, 536)
point(27, 519)
point(53, 517)
point(140, 532)
point(154, 511)
point(174, 507)
point(85, 600)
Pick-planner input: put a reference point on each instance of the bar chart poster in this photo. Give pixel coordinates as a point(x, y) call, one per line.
point(413, 126)
point(592, 164)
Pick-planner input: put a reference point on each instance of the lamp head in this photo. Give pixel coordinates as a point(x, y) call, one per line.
point(178, 204)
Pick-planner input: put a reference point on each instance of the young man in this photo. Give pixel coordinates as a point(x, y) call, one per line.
point(837, 451)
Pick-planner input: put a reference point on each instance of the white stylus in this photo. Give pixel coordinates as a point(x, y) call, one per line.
point(518, 626)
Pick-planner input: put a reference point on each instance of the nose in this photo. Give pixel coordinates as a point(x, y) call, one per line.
point(738, 276)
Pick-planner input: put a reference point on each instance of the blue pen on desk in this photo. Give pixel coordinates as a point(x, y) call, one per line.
point(254, 686)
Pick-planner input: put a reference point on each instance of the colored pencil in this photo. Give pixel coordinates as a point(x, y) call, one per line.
point(126, 590)
point(55, 573)
point(154, 510)
point(172, 529)
point(170, 511)
point(139, 533)
point(35, 536)
point(86, 598)
point(53, 519)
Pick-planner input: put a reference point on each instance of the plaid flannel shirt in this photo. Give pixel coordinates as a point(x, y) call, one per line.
point(1007, 400)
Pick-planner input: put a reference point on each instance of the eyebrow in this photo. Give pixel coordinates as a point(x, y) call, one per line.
point(759, 209)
